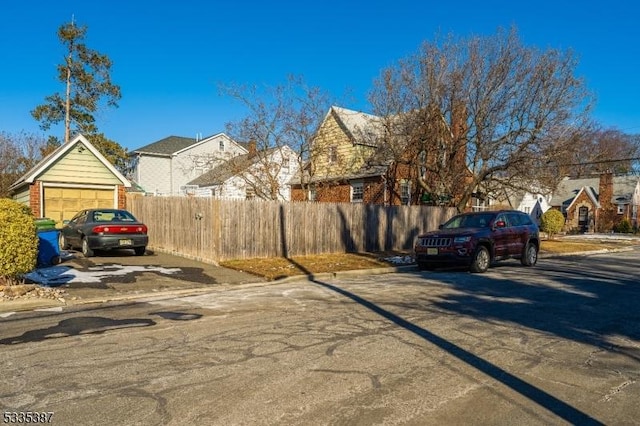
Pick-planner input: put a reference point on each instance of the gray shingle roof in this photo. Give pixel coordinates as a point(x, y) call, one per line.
point(167, 146)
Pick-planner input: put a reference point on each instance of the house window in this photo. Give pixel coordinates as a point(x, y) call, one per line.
point(478, 204)
point(333, 154)
point(357, 192)
point(285, 163)
point(405, 192)
point(312, 193)
point(620, 208)
point(221, 146)
point(527, 210)
point(250, 193)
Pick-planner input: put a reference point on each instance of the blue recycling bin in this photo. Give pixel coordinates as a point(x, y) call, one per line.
point(48, 247)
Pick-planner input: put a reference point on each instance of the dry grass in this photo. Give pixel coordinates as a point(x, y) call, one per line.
point(277, 268)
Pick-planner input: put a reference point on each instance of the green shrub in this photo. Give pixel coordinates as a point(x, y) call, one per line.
point(623, 227)
point(552, 222)
point(18, 240)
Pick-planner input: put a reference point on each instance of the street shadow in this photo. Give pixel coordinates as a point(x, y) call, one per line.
point(544, 399)
point(533, 393)
point(75, 327)
point(586, 306)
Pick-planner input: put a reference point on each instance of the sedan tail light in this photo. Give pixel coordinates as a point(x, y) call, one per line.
point(120, 229)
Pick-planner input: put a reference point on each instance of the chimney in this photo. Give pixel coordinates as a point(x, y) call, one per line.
point(605, 189)
point(252, 148)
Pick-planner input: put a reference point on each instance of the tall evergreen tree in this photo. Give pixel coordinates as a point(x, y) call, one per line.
point(85, 74)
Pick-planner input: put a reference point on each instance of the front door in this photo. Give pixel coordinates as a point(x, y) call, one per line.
point(583, 218)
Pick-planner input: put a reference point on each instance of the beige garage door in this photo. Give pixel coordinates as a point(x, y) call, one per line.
point(63, 203)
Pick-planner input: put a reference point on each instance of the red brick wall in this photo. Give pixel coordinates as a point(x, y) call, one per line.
point(34, 198)
point(608, 212)
point(122, 199)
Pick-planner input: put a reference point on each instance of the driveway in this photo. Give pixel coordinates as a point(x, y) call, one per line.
point(120, 275)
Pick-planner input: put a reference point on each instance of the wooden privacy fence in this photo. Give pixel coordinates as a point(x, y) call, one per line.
point(213, 229)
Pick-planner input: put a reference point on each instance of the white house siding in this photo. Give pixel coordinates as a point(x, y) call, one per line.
point(201, 157)
point(236, 186)
point(534, 205)
point(635, 205)
point(153, 174)
point(166, 175)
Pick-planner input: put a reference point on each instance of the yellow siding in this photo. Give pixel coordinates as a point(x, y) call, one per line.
point(350, 157)
point(63, 203)
point(79, 167)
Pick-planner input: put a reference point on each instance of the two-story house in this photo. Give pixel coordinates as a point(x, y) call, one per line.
point(167, 166)
point(258, 174)
point(350, 161)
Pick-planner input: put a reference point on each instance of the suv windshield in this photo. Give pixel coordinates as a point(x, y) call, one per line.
point(480, 220)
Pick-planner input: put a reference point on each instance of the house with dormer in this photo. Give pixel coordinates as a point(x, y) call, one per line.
point(353, 158)
point(165, 167)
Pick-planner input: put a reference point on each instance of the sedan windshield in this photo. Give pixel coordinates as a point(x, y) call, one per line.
point(480, 220)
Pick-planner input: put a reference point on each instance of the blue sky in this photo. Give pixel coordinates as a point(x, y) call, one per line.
point(169, 57)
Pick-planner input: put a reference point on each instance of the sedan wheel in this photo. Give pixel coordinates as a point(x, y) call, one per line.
point(481, 260)
point(62, 242)
point(529, 255)
point(86, 250)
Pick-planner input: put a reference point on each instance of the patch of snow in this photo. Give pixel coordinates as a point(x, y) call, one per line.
point(399, 260)
point(59, 275)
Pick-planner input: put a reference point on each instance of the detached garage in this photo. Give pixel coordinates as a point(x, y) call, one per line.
point(73, 177)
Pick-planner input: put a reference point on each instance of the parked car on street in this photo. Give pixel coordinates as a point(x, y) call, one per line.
point(104, 229)
point(476, 240)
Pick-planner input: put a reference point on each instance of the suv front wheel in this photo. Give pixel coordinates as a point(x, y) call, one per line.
point(481, 260)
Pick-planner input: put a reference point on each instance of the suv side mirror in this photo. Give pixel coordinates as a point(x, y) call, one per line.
point(440, 226)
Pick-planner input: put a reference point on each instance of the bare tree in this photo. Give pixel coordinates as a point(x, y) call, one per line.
point(277, 116)
point(18, 154)
point(470, 115)
point(599, 149)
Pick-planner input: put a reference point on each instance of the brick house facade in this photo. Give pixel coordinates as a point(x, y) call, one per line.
point(598, 204)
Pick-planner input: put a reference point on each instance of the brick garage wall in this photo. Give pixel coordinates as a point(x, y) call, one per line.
point(122, 199)
point(34, 198)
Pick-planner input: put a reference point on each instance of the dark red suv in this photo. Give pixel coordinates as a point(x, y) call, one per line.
point(475, 240)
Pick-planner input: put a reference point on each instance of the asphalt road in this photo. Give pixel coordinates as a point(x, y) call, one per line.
point(554, 344)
